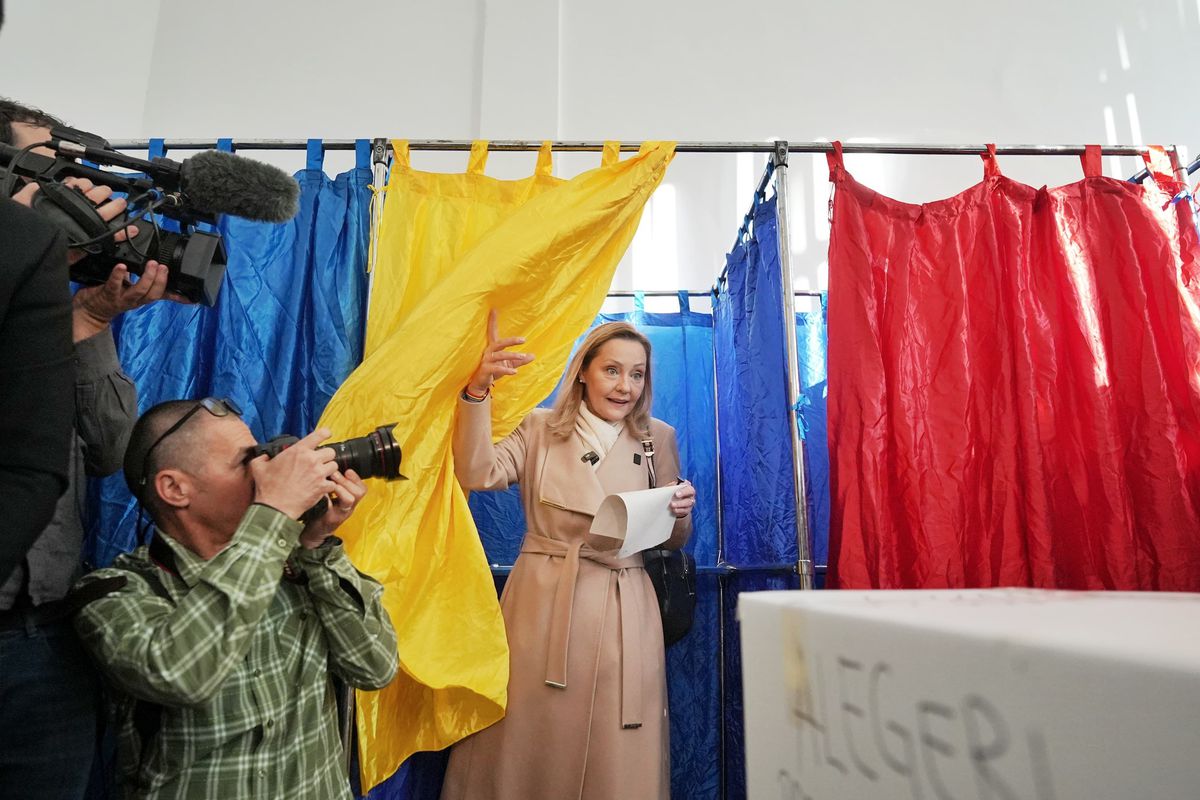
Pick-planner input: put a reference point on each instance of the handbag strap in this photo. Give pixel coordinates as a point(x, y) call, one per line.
point(648, 450)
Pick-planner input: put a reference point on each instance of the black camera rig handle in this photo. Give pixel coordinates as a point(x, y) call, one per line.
point(69, 209)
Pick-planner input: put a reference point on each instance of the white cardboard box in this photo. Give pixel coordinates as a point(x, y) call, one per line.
point(1003, 694)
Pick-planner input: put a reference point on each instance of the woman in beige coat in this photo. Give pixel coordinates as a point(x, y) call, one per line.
point(587, 700)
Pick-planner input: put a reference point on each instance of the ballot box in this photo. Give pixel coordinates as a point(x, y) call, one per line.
point(1002, 694)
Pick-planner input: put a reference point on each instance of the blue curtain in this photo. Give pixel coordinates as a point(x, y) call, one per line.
point(285, 332)
point(759, 512)
point(683, 396)
point(812, 345)
point(419, 778)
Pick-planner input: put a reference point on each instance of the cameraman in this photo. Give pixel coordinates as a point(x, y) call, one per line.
point(48, 718)
point(36, 403)
point(221, 635)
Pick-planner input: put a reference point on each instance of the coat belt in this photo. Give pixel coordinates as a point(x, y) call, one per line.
point(564, 601)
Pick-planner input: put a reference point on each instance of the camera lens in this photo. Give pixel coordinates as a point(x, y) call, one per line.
point(376, 455)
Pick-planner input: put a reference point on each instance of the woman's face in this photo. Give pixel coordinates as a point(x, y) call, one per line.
point(614, 380)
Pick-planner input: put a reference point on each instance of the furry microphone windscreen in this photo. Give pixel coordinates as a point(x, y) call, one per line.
point(222, 183)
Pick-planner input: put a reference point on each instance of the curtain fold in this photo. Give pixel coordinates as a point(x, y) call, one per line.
point(286, 329)
point(811, 347)
point(1014, 388)
point(541, 252)
point(757, 497)
point(750, 337)
point(683, 396)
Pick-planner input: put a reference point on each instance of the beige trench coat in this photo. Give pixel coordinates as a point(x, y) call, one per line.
point(587, 687)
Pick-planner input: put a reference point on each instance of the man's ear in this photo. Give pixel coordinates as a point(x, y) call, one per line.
point(174, 487)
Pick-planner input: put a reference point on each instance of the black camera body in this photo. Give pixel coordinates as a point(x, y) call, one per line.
point(376, 455)
point(192, 193)
point(195, 259)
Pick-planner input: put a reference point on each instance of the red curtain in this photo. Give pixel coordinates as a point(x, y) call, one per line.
point(1014, 387)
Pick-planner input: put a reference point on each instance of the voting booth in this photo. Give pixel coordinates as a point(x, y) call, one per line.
point(992, 694)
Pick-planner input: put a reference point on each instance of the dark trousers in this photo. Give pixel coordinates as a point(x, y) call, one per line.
point(49, 700)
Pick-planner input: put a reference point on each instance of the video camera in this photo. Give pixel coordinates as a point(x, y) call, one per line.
point(197, 190)
point(376, 455)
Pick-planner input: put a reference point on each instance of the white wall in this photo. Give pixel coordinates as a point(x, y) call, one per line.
point(1025, 71)
point(85, 80)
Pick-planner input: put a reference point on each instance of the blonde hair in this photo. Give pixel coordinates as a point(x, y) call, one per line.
point(570, 397)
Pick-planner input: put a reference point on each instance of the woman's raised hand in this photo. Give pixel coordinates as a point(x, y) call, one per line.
point(497, 361)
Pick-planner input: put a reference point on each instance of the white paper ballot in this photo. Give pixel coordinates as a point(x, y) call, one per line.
point(640, 519)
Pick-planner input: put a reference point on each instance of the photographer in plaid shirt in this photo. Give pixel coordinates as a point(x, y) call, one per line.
point(220, 637)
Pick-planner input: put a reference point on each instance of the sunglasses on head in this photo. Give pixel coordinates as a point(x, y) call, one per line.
point(217, 406)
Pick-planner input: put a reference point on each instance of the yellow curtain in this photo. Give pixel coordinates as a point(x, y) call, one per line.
point(542, 252)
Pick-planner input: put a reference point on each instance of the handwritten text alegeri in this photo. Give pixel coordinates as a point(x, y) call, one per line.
point(845, 732)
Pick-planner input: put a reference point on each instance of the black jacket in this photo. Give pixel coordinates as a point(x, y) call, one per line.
point(37, 402)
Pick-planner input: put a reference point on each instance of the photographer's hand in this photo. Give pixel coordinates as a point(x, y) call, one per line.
point(497, 361)
point(350, 491)
point(297, 478)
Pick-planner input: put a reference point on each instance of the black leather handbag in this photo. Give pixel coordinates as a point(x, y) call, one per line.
point(673, 573)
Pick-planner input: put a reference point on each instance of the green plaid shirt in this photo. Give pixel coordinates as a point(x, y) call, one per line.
point(221, 669)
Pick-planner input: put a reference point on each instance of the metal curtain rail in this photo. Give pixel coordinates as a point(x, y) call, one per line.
point(721, 569)
point(788, 316)
point(1190, 169)
point(595, 146)
point(760, 194)
point(694, 293)
point(656, 293)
